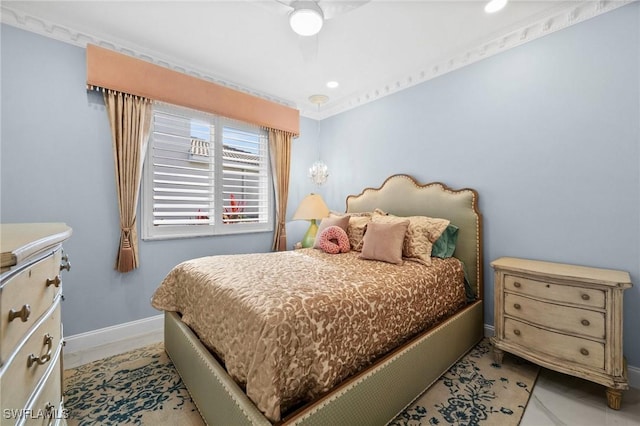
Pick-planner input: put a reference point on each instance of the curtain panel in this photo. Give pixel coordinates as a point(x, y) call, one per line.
point(280, 153)
point(130, 120)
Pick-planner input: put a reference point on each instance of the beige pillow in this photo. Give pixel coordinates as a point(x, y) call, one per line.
point(341, 221)
point(356, 230)
point(422, 232)
point(383, 241)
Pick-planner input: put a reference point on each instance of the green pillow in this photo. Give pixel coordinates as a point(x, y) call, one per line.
point(446, 244)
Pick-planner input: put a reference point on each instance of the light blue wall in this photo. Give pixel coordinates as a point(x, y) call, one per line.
point(548, 133)
point(57, 166)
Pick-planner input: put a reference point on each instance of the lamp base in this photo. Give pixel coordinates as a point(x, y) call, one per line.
point(310, 237)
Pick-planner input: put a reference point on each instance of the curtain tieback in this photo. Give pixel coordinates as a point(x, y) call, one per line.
point(126, 237)
point(126, 257)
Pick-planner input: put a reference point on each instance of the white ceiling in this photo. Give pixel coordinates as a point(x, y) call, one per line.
point(374, 50)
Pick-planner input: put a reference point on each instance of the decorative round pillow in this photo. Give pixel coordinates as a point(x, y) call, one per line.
point(334, 239)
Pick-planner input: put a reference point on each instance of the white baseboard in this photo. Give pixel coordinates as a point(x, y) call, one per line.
point(489, 330)
point(633, 376)
point(93, 345)
point(632, 372)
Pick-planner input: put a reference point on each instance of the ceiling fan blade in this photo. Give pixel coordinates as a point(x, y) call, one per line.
point(331, 9)
point(286, 4)
point(308, 48)
point(281, 7)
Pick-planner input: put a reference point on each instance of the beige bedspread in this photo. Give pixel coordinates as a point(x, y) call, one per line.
point(291, 325)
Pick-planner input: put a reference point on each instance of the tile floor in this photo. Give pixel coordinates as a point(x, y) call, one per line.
point(557, 400)
point(560, 400)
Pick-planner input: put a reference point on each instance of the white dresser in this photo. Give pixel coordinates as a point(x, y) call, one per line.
point(30, 323)
point(563, 317)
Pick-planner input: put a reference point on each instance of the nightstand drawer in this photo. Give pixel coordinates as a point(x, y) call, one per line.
point(564, 347)
point(562, 318)
point(555, 292)
point(28, 294)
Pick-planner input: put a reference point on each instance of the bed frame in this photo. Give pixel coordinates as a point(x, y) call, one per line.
point(377, 394)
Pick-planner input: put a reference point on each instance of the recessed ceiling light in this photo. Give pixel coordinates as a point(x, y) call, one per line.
point(495, 5)
point(332, 84)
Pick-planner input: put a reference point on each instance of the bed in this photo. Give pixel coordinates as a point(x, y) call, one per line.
point(363, 386)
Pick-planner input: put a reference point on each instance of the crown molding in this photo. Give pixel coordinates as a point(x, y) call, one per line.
point(560, 18)
point(69, 35)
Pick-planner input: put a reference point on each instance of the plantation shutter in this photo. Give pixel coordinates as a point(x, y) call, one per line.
point(205, 175)
point(245, 184)
point(182, 155)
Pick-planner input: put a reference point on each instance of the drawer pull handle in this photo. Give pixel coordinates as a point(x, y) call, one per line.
point(66, 265)
point(54, 282)
point(586, 323)
point(517, 306)
point(584, 352)
point(23, 313)
point(516, 284)
point(585, 297)
point(48, 341)
point(516, 332)
point(50, 413)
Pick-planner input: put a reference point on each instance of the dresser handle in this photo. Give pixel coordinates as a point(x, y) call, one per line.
point(586, 323)
point(584, 352)
point(66, 265)
point(50, 413)
point(54, 282)
point(517, 306)
point(516, 284)
point(516, 332)
point(23, 313)
point(585, 297)
point(48, 341)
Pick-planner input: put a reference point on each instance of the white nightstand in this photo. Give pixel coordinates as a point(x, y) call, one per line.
point(563, 317)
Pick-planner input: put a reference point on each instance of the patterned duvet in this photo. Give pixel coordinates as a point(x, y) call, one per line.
point(291, 325)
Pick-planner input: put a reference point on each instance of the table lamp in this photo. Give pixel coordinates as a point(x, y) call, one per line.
point(311, 208)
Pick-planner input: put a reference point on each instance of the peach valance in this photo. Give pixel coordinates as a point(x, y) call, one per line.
point(112, 70)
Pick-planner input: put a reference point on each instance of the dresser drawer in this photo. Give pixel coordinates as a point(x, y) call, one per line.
point(566, 348)
point(562, 318)
point(21, 375)
point(27, 291)
point(556, 292)
point(47, 408)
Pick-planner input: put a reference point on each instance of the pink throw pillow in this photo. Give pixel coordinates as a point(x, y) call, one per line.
point(333, 239)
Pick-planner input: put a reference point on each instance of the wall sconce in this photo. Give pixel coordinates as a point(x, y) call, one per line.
point(319, 172)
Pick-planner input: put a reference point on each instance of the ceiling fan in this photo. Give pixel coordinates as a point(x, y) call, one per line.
point(306, 17)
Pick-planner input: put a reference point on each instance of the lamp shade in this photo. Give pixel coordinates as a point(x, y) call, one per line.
point(311, 207)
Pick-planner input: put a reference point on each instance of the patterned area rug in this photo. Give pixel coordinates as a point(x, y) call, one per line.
point(140, 387)
point(475, 391)
point(143, 388)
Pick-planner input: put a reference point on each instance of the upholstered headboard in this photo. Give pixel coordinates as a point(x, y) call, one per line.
point(401, 195)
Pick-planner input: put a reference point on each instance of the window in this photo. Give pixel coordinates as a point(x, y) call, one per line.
point(204, 175)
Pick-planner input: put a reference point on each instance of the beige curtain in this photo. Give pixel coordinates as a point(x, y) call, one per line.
point(130, 119)
point(280, 152)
